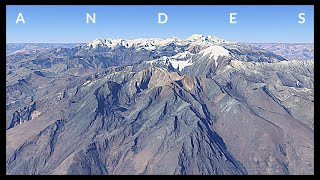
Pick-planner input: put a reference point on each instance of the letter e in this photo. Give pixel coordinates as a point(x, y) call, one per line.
point(232, 17)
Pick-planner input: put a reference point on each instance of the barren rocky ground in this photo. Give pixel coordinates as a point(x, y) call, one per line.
point(195, 106)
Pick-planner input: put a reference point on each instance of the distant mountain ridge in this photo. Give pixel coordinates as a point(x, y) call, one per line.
point(29, 47)
point(290, 51)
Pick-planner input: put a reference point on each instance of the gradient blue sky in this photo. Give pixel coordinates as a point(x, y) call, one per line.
point(68, 23)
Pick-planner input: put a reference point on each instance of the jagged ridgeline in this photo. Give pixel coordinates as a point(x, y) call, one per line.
point(201, 105)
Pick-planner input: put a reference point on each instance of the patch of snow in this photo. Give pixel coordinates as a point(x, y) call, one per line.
point(180, 64)
point(149, 48)
point(164, 58)
point(182, 55)
point(214, 52)
point(174, 60)
point(88, 83)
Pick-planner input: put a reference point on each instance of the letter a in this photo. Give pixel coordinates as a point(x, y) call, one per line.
point(20, 18)
point(92, 19)
point(165, 18)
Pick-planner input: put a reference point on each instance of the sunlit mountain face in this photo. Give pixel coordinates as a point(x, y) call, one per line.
point(200, 105)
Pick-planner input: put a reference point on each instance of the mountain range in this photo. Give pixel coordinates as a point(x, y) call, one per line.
point(200, 105)
point(291, 51)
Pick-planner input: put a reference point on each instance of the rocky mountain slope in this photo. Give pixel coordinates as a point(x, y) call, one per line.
point(201, 105)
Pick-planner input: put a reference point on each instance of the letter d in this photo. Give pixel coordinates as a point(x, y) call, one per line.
point(160, 21)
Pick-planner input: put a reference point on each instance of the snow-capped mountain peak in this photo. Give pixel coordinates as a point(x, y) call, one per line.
point(195, 37)
point(208, 40)
point(214, 52)
point(96, 43)
point(107, 43)
point(154, 43)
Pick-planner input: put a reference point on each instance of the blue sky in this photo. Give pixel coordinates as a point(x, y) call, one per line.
point(68, 23)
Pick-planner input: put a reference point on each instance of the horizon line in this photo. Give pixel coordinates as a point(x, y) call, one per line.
point(90, 41)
